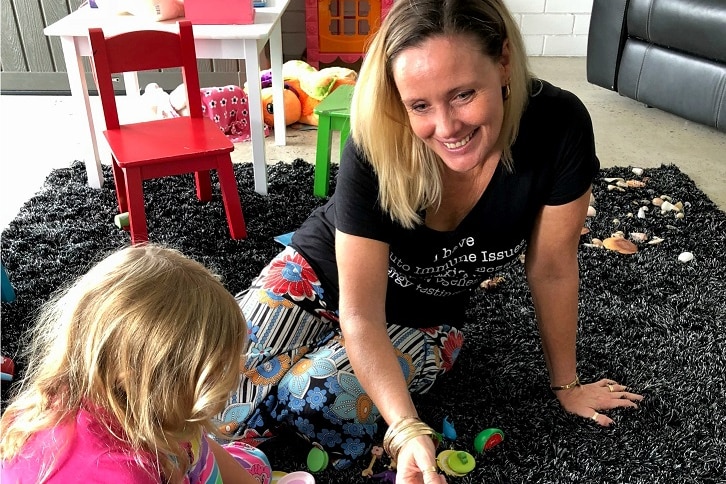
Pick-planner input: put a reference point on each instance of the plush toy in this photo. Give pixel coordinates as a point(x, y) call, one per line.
point(226, 106)
point(157, 103)
point(309, 84)
point(293, 108)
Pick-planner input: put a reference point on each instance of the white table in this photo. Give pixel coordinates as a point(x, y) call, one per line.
point(211, 41)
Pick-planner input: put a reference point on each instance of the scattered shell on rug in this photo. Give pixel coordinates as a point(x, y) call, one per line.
point(685, 257)
point(657, 201)
point(634, 184)
point(584, 231)
point(613, 180)
point(591, 212)
point(638, 237)
point(637, 171)
point(491, 283)
point(620, 245)
point(641, 212)
point(655, 240)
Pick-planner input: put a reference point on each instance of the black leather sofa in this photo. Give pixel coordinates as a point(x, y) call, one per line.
point(668, 54)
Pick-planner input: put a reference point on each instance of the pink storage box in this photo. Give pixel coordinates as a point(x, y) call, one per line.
point(219, 12)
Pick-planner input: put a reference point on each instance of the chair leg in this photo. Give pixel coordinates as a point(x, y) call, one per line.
point(119, 180)
point(137, 213)
point(344, 133)
point(204, 185)
point(230, 197)
point(322, 156)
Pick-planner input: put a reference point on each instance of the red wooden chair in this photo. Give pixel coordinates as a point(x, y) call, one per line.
point(165, 147)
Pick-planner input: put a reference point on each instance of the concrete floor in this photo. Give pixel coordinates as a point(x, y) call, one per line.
point(37, 135)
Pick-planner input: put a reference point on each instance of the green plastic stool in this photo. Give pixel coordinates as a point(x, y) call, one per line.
point(333, 115)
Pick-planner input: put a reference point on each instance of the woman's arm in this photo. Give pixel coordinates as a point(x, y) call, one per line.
point(363, 277)
point(553, 276)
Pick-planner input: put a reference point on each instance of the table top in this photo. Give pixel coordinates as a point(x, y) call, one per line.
point(77, 23)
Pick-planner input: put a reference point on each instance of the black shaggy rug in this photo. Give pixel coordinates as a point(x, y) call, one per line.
point(647, 320)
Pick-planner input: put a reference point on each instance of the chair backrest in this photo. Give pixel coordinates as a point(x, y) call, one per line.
point(142, 51)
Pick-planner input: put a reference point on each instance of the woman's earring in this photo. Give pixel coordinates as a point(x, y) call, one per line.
point(506, 91)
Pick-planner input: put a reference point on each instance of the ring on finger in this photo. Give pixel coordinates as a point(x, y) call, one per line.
point(595, 416)
point(610, 387)
point(432, 469)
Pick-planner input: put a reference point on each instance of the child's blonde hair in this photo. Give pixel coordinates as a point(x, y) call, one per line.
point(147, 335)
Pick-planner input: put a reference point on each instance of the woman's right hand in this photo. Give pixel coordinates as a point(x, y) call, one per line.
point(416, 463)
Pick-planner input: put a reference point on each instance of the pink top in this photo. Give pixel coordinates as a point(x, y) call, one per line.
point(84, 451)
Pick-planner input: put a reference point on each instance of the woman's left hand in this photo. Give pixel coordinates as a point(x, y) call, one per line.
point(590, 399)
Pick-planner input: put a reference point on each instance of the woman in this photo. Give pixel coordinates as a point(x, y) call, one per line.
point(461, 162)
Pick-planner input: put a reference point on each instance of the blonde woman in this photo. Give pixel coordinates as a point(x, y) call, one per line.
point(460, 162)
point(126, 368)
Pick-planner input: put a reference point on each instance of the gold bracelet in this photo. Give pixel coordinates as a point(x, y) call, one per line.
point(573, 384)
point(393, 443)
point(395, 428)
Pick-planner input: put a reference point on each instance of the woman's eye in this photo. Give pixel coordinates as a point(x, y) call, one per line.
point(418, 107)
point(465, 95)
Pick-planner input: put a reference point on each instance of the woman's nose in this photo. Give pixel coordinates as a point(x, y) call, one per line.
point(446, 124)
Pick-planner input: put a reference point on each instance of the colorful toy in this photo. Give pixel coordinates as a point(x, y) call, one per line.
point(487, 439)
point(455, 462)
point(7, 369)
point(309, 84)
point(377, 453)
point(299, 477)
point(317, 459)
point(448, 432)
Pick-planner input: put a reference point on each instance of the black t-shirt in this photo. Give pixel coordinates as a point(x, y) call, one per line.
point(431, 273)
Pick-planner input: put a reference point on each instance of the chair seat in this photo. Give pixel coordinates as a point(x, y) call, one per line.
point(166, 140)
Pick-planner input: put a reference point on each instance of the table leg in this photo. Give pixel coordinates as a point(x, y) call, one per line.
point(79, 95)
point(257, 132)
point(278, 83)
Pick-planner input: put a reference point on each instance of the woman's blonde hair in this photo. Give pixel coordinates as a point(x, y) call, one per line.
point(408, 171)
point(148, 336)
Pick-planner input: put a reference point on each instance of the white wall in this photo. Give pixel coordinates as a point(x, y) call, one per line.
point(553, 27)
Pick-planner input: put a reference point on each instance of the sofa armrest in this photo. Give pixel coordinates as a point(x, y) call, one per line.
point(606, 39)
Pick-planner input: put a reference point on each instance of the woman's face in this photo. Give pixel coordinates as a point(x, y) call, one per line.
point(453, 95)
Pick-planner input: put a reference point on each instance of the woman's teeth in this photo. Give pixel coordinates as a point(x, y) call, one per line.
point(459, 144)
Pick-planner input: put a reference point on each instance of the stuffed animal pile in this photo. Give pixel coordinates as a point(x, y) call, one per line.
point(305, 88)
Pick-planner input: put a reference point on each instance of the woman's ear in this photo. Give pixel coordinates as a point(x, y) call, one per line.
point(504, 63)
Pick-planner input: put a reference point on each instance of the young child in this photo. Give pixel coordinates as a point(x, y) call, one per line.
point(126, 369)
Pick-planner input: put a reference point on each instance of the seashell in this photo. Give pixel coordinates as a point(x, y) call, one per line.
point(671, 227)
point(685, 257)
point(592, 246)
point(655, 240)
point(638, 236)
point(611, 180)
point(666, 198)
point(592, 199)
point(491, 283)
point(657, 201)
point(584, 231)
point(591, 212)
point(680, 215)
point(667, 207)
point(620, 245)
point(597, 242)
point(637, 171)
point(635, 184)
point(616, 222)
point(621, 184)
point(619, 233)
point(679, 206)
point(641, 212)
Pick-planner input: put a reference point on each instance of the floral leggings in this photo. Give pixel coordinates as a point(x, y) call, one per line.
point(297, 371)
